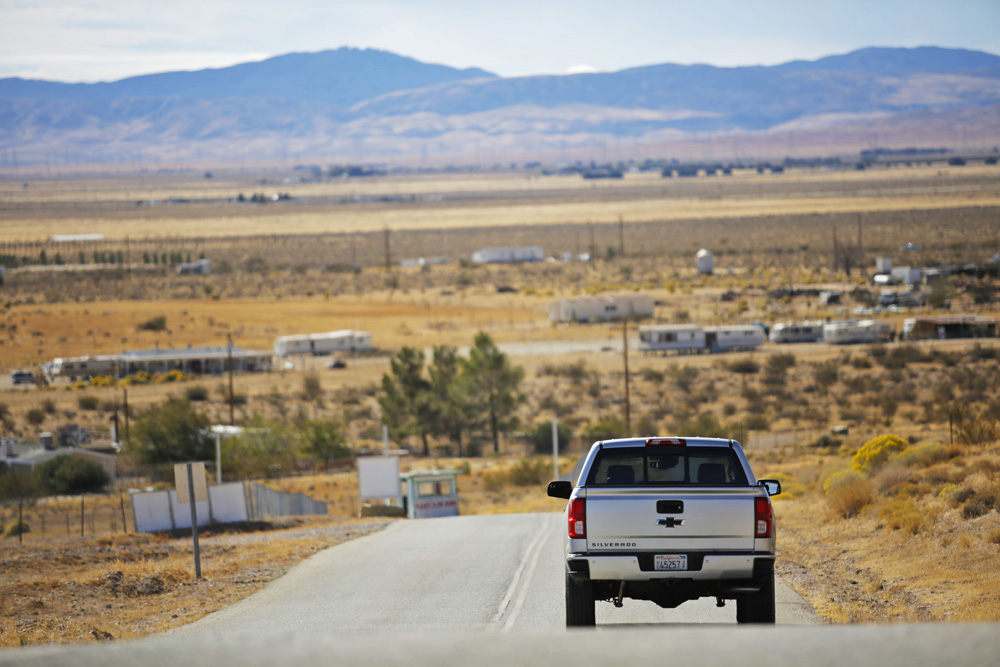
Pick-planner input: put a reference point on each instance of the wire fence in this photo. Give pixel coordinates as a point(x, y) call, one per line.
point(84, 516)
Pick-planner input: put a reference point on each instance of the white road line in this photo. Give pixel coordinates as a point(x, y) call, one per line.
point(539, 538)
point(523, 594)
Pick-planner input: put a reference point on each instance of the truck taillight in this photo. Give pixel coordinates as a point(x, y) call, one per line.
point(666, 441)
point(578, 517)
point(763, 517)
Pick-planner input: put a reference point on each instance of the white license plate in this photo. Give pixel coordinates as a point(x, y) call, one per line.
point(662, 562)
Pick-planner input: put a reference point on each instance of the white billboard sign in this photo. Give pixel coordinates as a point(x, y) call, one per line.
point(378, 477)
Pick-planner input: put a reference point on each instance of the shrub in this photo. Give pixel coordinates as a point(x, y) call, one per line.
point(197, 392)
point(15, 528)
point(103, 381)
point(172, 432)
point(850, 498)
point(312, 390)
point(890, 477)
point(540, 437)
point(903, 514)
point(744, 366)
point(954, 494)
point(604, 429)
point(49, 406)
point(158, 323)
point(874, 453)
point(921, 455)
point(975, 508)
point(781, 362)
point(706, 424)
point(840, 478)
point(981, 430)
point(494, 481)
point(174, 375)
point(826, 373)
point(68, 474)
point(140, 377)
point(529, 472)
point(35, 416)
point(86, 402)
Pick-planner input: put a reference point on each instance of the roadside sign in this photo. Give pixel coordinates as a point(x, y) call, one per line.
point(189, 480)
point(378, 477)
point(181, 482)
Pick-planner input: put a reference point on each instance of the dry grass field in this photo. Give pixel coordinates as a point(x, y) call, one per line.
point(279, 269)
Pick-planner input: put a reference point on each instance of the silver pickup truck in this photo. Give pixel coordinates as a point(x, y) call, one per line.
point(668, 520)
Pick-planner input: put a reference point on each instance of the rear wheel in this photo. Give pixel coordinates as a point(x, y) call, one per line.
point(757, 607)
point(579, 603)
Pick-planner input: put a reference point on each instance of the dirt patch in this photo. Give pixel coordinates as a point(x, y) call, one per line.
point(134, 585)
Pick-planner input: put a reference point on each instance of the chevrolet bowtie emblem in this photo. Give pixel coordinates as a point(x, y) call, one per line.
point(670, 522)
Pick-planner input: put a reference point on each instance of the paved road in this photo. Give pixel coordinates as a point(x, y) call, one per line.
point(488, 590)
point(501, 572)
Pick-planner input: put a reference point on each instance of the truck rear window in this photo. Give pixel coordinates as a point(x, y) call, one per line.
point(667, 465)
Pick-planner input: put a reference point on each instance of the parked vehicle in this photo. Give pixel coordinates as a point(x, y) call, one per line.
point(850, 332)
point(668, 520)
point(688, 338)
point(22, 377)
point(322, 344)
point(797, 332)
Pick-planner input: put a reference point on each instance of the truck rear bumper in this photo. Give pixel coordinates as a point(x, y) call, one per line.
point(637, 567)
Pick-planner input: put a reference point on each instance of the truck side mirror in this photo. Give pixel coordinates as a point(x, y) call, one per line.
point(560, 489)
point(772, 486)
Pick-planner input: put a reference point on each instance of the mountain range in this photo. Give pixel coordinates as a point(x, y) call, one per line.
point(365, 105)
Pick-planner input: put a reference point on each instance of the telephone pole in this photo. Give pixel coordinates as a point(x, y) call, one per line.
point(628, 405)
point(232, 420)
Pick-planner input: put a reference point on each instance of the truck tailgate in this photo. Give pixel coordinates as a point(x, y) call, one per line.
point(670, 519)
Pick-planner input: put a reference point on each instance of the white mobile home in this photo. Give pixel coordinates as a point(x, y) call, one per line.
point(188, 360)
point(849, 332)
point(671, 338)
point(320, 344)
point(602, 308)
point(512, 254)
point(733, 337)
point(797, 332)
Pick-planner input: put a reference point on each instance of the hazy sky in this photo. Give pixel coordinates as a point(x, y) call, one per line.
point(104, 40)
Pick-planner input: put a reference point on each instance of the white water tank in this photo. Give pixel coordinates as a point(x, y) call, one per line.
point(883, 265)
point(706, 262)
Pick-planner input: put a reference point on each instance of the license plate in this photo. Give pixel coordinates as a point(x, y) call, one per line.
point(662, 562)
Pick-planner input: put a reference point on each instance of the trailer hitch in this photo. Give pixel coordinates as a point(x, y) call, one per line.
point(621, 594)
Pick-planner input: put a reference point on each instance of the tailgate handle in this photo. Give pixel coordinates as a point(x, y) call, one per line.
point(669, 506)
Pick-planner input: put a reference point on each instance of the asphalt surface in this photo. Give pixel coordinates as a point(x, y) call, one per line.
point(488, 590)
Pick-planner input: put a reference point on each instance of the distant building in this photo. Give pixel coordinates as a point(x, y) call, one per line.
point(706, 262)
point(511, 254)
point(942, 327)
point(602, 308)
point(27, 461)
point(187, 360)
point(202, 267)
point(321, 344)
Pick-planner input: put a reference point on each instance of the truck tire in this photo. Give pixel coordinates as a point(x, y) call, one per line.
point(757, 607)
point(579, 603)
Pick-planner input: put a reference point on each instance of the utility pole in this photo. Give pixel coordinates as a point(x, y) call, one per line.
point(232, 420)
point(388, 256)
point(621, 236)
point(125, 409)
point(628, 405)
point(593, 246)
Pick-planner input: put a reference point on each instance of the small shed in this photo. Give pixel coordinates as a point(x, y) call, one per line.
point(430, 494)
point(706, 262)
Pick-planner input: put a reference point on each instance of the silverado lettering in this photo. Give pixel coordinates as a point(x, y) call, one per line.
point(630, 489)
